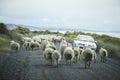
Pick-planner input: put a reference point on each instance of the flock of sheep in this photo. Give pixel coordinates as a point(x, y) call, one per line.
point(65, 51)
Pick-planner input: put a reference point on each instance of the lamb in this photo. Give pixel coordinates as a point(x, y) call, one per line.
point(14, 45)
point(87, 56)
point(103, 54)
point(68, 55)
point(48, 54)
point(56, 57)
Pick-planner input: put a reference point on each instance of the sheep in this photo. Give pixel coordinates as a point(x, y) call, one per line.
point(76, 53)
point(34, 44)
point(94, 56)
point(87, 56)
point(103, 54)
point(80, 52)
point(44, 43)
point(48, 54)
point(14, 45)
point(68, 55)
point(26, 39)
point(26, 45)
point(56, 57)
point(51, 45)
point(62, 48)
point(58, 38)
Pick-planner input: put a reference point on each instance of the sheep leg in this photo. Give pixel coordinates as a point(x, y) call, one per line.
point(88, 64)
point(66, 61)
point(85, 64)
point(76, 59)
point(79, 58)
point(16, 48)
point(57, 62)
point(51, 61)
point(70, 62)
point(101, 58)
point(94, 60)
point(105, 58)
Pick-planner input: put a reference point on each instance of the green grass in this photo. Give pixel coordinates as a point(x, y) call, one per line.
point(113, 49)
point(4, 44)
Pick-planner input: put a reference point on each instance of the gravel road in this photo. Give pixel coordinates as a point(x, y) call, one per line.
point(30, 65)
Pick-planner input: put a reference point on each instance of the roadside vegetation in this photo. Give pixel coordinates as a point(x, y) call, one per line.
point(112, 44)
point(7, 35)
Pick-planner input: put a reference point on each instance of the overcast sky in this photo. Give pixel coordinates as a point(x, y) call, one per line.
point(94, 14)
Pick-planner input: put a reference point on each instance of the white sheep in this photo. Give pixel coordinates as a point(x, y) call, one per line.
point(26, 39)
point(80, 52)
point(56, 57)
point(14, 45)
point(26, 45)
point(94, 56)
point(51, 45)
point(87, 56)
point(68, 55)
point(44, 43)
point(62, 48)
point(103, 54)
point(48, 54)
point(32, 45)
point(76, 53)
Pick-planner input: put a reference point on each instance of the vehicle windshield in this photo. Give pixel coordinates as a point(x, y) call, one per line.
point(85, 38)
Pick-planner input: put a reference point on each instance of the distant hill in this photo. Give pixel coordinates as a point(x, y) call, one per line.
point(59, 28)
point(12, 26)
